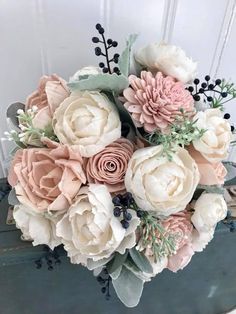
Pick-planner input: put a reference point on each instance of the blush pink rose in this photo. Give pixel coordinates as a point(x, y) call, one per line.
point(181, 258)
point(155, 101)
point(210, 173)
point(52, 90)
point(109, 166)
point(48, 179)
point(181, 228)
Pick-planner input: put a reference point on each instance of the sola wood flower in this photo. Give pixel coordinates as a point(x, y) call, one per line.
point(155, 101)
point(109, 166)
point(52, 90)
point(47, 178)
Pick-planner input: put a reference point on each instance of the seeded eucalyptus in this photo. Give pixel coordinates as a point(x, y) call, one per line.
point(182, 132)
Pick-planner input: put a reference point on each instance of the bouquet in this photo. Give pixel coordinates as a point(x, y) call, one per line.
point(123, 170)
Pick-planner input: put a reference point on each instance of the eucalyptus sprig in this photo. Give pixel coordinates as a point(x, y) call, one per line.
point(154, 237)
point(182, 133)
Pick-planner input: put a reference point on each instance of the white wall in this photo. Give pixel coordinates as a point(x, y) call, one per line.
point(54, 36)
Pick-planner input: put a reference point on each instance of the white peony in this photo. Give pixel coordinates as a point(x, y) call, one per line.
point(209, 209)
point(215, 142)
point(85, 71)
point(158, 184)
point(89, 120)
point(200, 239)
point(168, 59)
point(89, 230)
point(36, 227)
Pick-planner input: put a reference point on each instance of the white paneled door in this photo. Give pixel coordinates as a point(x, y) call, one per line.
point(54, 36)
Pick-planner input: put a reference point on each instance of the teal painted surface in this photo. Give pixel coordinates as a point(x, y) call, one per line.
point(206, 286)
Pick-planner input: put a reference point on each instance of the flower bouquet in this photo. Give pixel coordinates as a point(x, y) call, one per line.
point(123, 170)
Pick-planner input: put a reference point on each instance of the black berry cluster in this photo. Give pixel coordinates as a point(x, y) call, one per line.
point(206, 88)
point(104, 280)
point(50, 257)
point(122, 204)
point(109, 43)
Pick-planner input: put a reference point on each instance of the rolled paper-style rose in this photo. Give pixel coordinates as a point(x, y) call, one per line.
point(210, 173)
point(154, 102)
point(214, 143)
point(109, 166)
point(200, 239)
point(89, 230)
point(52, 90)
point(209, 209)
point(159, 185)
point(89, 120)
point(48, 179)
point(168, 59)
point(36, 226)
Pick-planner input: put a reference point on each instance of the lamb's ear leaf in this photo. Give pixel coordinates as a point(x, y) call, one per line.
point(141, 261)
point(102, 82)
point(128, 287)
point(116, 262)
point(124, 60)
point(12, 198)
point(12, 114)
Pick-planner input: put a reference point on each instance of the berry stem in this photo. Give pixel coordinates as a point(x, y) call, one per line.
point(106, 54)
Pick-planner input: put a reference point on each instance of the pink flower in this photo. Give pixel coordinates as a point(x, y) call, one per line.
point(155, 101)
point(210, 173)
point(52, 90)
point(181, 258)
point(109, 166)
point(181, 228)
point(48, 179)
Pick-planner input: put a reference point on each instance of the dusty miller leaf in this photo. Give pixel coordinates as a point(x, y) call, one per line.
point(128, 287)
point(116, 262)
point(124, 60)
point(12, 198)
point(104, 82)
point(140, 261)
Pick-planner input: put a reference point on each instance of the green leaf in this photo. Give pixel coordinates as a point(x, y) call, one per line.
point(116, 262)
point(91, 265)
point(116, 273)
point(12, 113)
point(12, 198)
point(218, 189)
point(141, 261)
point(124, 60)
point(128, 287)
point(104, 82)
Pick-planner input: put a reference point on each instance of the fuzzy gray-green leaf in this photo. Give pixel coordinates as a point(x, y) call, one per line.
point(140, 260)
point(116, 262)
point(124, 60)
point(103, 82)
point(128, 287)
point(12, 198)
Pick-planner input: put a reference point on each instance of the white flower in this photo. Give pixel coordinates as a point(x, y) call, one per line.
point(209, 209)
point(89, 120)
point(200, 239)
point(89, 70)
point(36, 227)
point(159, 185)
point(168, 59)
point(214, 144)
point(89, 229)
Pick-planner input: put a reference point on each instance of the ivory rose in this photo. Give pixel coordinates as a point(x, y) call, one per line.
point(210, 173)
point(36, 226)
point(52, 90)
point(85, 71)
point(48, 178)
point(158, 184)
point(200, 239)
point(209, 209)
point(214, 143)
point(89, 230)
point(89, 120)
point(168, 59)
point(109, 166)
